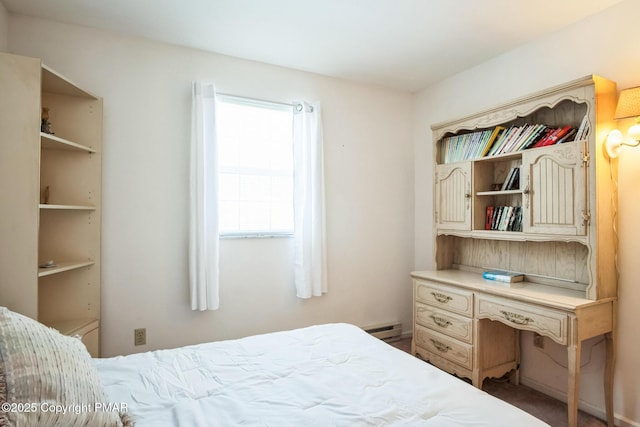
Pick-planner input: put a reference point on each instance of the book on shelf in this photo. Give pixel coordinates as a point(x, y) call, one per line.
point(503, 218)
point(512, 181)
point(503, 276)
point(484, 140)
point(489, 217)
point(543, 137)
point(539, 132)
point(466, 146)
point(449, 147)
point(583, 129)
point(495, 218)
point(509, 139)
point(567, 136)
point(456, 144)
point(469, 140)
point(507, 212)
point(472, 140)
point(552, 137)
point(503, 140)
point(543, 141)
point(517, 221)
point(525, 133)
point(476, 141)
point(499, 142)
point(495, 134)
point(506, 180)
point(557, 135)
point(515, 216)
point(513, 135)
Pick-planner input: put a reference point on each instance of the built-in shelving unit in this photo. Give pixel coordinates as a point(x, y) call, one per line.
point(50, 259)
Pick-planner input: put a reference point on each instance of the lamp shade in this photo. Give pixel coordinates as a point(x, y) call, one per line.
point(628, 103)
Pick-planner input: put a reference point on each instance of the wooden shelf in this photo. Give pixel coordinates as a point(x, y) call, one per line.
point(54, 82)
point(52, 142)
point(501, 157)
point(515, 236)
point(67, 207)
point(62, 267)
point(498, 192)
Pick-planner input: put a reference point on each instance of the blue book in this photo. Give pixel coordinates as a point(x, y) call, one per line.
point(503, 276)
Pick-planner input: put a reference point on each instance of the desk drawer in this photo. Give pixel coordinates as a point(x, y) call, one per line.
point(547, 322)
point(445, 347)
point(445, 297)
point(445, 322)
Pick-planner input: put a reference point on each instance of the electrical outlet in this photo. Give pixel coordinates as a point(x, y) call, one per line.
point(538, 340)
point(140, 336)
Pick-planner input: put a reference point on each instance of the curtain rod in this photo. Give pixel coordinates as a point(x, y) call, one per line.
point(255, 99)
point(297, 106)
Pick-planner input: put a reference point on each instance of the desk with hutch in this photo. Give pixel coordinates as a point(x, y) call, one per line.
point(565, 246)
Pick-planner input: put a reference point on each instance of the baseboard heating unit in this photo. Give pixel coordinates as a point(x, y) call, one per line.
point(386, 331)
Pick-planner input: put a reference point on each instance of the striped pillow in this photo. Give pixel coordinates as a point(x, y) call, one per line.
point(48, 379)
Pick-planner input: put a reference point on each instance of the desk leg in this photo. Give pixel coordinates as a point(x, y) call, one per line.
point(573, 390)
point(477, 374)
point(608, 376)
point(514, 377)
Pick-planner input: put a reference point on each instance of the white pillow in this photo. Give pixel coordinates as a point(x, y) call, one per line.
point(48, 379)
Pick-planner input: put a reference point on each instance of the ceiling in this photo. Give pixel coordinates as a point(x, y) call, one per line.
point(403, 44)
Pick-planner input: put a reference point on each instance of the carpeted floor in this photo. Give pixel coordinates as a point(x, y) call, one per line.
point(548, 409)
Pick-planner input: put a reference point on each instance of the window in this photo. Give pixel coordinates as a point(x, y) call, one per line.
point(255, 149)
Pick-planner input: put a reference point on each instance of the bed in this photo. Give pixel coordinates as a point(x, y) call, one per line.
point(324, 375)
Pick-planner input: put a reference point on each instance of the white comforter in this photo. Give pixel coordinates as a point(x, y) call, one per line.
point(327, 375)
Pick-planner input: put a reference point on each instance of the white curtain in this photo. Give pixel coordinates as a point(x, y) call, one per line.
point(308, 191)
point(203, 215)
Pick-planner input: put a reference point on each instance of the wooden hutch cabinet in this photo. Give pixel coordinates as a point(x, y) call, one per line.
point(555, 226)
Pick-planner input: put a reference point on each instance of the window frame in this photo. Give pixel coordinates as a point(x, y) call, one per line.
point(273, 105)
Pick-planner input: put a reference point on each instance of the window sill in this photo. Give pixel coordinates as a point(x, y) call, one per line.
point(256, 236)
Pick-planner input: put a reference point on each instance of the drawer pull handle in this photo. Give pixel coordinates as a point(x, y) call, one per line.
point(443, 323)
point(440, 346)
point(441, 297)
point(516, 318)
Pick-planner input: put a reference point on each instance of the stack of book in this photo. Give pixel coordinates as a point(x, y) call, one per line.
point(501, 140)
point(467, 146)
point(518, 138)
point(503, 218)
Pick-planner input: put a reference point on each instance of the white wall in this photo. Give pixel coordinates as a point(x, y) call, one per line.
point(4, 28)
point(369, 186)
point(605, 44)
point(146, 90)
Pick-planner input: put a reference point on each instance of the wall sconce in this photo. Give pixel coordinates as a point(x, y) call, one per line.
point(628, 106)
